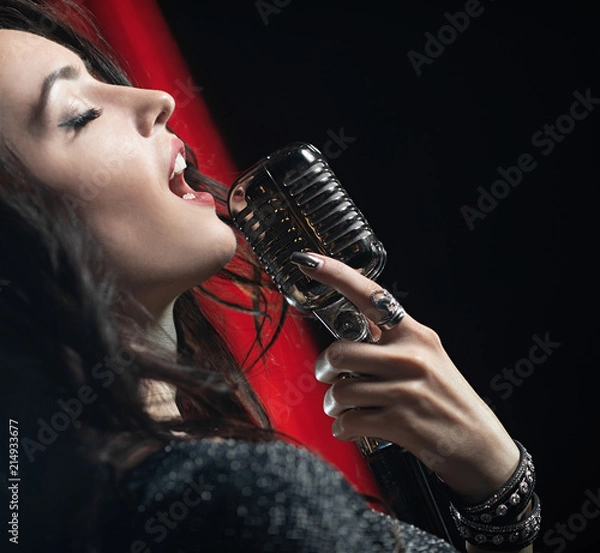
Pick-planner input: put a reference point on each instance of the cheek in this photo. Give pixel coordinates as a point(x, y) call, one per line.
point(111, 189)
point(111, 180)
point(86, 181)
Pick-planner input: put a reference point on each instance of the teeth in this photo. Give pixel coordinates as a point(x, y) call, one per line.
point(180, 165)
point(189, 196)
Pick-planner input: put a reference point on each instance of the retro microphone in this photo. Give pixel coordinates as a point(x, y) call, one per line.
point(291, 201)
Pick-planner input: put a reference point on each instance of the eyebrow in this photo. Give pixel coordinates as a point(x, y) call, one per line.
point(68, 72)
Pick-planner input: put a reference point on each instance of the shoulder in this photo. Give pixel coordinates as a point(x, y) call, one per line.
point(207, 495)
point(232, 465)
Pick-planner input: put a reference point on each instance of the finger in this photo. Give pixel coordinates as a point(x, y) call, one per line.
point(332, 407)
point(356, 423)
point(356, 393)
point(333, 364)
point(347, 281)
point(366, 360)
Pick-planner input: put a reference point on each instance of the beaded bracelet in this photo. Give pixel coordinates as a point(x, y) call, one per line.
point(493, 522)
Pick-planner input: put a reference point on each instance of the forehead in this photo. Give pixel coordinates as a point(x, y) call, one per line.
point(25, 57)
point(21, 48)
point(25, 60)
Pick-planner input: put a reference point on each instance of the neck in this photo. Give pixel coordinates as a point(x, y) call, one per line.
point(162, 331)
point(160, 396)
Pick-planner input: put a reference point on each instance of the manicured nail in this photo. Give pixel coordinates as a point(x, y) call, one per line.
point(337, 429)
point(306, 260)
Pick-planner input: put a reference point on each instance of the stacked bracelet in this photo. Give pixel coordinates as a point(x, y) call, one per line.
point(506, 537)
point(494, 523)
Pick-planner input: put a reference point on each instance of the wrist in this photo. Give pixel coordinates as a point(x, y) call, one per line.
point(507, 520)
point(477, 478)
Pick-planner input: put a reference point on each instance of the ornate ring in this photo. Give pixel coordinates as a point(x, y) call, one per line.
point(389, 307)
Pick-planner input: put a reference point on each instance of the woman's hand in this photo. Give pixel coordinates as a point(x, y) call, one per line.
point(410, 393)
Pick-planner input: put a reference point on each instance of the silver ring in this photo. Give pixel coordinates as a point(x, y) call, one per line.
point(389, 307)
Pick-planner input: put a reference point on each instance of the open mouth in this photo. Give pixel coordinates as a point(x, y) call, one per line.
point(180, 188)
point(177, 183)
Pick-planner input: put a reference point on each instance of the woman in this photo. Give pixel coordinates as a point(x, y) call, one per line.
point(105, 345)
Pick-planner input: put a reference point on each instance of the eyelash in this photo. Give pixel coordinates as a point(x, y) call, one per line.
point(82, 119)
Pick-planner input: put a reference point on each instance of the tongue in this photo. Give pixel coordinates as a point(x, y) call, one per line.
point(179, 187)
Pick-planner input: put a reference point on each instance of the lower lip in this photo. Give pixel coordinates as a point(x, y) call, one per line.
point(202, 198)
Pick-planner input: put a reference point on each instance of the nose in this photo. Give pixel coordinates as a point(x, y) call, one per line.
point(153, 109)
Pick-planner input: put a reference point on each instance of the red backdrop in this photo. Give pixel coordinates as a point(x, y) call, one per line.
point(137, 31)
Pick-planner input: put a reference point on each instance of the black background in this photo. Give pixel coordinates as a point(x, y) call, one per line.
point(417, 149)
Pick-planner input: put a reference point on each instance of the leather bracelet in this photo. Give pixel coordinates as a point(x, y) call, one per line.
point(494, 523)
point(507, 537)
point(509, 500)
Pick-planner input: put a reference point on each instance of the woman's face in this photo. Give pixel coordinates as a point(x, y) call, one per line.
point(107, 150)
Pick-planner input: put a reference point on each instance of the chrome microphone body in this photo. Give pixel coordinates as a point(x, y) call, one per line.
point(291, 201)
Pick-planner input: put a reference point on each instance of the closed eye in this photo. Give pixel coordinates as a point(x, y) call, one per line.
point(82, 119)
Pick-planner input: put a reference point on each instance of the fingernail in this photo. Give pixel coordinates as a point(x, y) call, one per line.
point(337, 429)
point(329, 403)
point(306, 260)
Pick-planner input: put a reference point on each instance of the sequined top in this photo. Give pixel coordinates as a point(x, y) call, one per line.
point(236, 496)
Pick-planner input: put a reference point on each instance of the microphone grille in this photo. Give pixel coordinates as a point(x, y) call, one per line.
point(292, 201)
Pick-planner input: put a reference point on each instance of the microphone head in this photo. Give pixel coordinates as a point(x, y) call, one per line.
point(291, 201)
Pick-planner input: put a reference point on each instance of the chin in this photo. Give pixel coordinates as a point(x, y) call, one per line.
point(230, 245)
point(223, 250)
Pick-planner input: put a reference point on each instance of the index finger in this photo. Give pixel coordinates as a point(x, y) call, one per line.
point(354, 286)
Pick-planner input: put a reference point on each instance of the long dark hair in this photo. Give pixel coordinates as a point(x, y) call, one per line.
point(72, 343)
